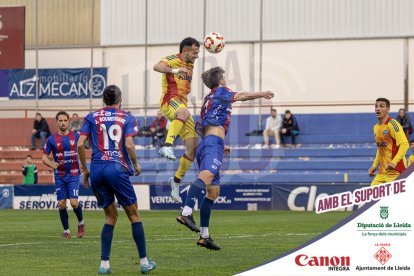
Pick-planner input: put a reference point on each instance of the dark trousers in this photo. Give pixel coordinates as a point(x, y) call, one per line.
point(291, 133)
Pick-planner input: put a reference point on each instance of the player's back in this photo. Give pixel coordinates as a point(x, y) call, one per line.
point(107, 129)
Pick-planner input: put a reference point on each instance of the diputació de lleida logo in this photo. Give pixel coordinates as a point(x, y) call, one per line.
point(384, 212)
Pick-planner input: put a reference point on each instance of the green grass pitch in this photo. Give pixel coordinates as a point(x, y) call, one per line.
point(30, 242)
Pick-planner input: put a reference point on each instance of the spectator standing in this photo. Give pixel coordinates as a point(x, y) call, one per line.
point(273, 124)
point(40, 131)
point(405, 122)
point(29, 171)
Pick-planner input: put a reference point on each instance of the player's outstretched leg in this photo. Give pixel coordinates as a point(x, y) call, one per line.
point(186, 217)
point(186, 161)
point(175, 189)
point(167, 152)
point(205, 212)
point(208, 243)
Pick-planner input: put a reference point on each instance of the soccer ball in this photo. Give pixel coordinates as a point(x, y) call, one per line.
point(214, 42)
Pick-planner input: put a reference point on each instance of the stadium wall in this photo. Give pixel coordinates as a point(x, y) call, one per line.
point(123, 22)
point(308, 76)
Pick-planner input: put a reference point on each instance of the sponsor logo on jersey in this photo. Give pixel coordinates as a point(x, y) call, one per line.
point(382, 144)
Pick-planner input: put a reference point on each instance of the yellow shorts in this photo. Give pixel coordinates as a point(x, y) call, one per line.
point(384, 178)
point(169, 110)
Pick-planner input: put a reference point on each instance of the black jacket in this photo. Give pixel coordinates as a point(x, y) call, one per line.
point(42, 126)
point(405, 121)
point(290, 124)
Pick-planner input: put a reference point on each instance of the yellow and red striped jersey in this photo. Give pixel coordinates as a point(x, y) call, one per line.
point(176, 86)
point(392, 146)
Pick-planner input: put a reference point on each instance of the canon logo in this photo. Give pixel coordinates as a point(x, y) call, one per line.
point(303, 260)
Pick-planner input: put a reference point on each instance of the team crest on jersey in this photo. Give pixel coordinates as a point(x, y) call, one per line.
point(72, 142)
point(385, 132)
point(58, 144)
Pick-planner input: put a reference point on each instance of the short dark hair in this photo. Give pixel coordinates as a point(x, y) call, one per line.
point(411, 141)
point(62, 113)
point(38, 114)
point(403, 109)
point(29, 155)
point(273, 109)
point(288, 111)
point(386, 101)
point(188, 42)
point(211, 78)
point(112, 95)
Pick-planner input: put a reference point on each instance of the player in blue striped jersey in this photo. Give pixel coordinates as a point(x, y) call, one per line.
point(65, 163)
point(215, 120)
point(111, 131)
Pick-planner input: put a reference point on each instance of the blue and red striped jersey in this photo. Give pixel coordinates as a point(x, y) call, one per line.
point(65, 152)
point(216, 110)
point(107, 128)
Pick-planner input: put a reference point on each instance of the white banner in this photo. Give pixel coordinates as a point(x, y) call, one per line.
point(376, 240)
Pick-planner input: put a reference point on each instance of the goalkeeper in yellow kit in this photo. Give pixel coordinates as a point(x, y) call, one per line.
point(177, 73)
point(392, 145)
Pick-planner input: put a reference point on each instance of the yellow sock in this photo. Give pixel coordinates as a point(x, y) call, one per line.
point(174, 130)
point(185, 164)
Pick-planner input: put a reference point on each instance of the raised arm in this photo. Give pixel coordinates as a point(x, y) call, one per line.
point(247, 96)
point(162, 67)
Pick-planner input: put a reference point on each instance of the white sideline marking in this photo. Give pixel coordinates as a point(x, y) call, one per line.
point(19, 244)
point(172, 238)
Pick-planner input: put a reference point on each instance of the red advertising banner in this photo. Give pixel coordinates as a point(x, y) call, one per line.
point(12, 38)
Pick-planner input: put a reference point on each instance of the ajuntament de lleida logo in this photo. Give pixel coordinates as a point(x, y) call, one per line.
point(384, 212)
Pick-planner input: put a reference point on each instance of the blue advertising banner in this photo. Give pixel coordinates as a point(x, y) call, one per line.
point(302, 197)
point(232, 197)
point(6, 196)
point(44, 197)
point(56, 83)
point(4, 83)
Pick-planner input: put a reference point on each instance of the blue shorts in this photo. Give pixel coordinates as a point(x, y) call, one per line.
point(66, 187)
point(111, 179)
point(210, 156)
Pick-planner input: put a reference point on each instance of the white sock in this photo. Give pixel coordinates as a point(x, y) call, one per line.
point(80, 222)
point(187, 211)
point(105, 264)
point(143, 261)
point(66, 231)
point(204, 232)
